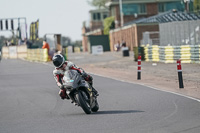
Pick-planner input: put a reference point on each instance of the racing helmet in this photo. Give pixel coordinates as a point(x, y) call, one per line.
point(58, 60)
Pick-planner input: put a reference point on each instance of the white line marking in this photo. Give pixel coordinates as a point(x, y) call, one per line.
point(198, 100)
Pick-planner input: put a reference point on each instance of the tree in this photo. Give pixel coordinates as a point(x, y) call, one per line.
point(3, 40)
point(98, 3)
point(109, 23)
point(196, 5)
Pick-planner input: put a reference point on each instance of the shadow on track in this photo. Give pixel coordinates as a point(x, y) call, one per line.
point(117, 112)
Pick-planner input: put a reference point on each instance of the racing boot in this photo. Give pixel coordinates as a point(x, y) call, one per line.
point(63, 94)
point(95, 91)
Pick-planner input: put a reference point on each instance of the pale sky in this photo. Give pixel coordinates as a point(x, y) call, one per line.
point(55, 16)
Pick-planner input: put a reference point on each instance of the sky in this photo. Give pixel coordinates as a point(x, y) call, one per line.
point(64, 17)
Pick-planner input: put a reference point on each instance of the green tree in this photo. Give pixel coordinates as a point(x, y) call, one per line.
point(109, 23)
point(98, 3)
point(196, 5)
point(3, 40)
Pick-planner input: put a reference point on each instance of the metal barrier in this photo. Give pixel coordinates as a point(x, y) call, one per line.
point(170, 54)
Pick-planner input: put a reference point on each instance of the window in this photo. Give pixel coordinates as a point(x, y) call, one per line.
point(98, 16)
point(131, 9)
point(94, 16)
point(104, 16)
point(113, 11)
point(161, 7)
point(142, 8)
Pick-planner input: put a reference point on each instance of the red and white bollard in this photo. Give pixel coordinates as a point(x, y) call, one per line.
point(139, 68)
point(180, 77)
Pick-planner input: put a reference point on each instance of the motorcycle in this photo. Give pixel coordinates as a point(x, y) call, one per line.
point(80, 91)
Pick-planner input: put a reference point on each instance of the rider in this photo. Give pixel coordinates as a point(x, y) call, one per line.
point(60, 67)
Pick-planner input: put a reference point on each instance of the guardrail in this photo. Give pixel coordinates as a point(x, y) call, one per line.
point(170, 54)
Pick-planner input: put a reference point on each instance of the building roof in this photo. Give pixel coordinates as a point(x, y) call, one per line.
point(116, 2)
point(169, 16)
point(99, 10)
point(143, 0)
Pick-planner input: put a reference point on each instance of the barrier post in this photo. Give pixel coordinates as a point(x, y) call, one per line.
point(139, 68)
point(180, 77)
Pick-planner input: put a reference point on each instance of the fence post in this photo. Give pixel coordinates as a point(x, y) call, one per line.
point(180, 78)
point(139, 68)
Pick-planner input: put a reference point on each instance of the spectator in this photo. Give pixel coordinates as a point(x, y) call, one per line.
point(46, 45)
point(5, 43)
point(28, 43)
point(118, 46)
point(8, 43)
point(123, 43)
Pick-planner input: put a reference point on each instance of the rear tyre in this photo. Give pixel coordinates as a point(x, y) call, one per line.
point(83, 102)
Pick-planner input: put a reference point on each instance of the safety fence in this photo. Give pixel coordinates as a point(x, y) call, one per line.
point(170, 54)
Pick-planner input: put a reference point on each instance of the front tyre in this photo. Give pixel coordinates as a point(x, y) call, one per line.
point(83, 102)
point(96, 107)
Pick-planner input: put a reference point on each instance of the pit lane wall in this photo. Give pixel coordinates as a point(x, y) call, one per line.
point(22, 52)
point(170, 54)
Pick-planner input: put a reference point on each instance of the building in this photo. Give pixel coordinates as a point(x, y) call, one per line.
point(97, 17)
point(133, 10)
point(172, 27)
point(136, 9)
point(96, 26)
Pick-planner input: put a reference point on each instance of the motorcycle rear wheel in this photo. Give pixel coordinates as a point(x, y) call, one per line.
point(83, 102)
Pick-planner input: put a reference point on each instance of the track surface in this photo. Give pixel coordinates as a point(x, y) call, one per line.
point(29, 103)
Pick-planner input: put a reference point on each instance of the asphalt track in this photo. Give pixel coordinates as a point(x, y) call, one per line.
point(29, 103)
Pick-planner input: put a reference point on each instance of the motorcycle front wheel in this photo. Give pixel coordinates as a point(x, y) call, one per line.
point(82, 100)
point(96, 107)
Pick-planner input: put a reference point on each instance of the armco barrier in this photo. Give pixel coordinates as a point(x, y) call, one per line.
point(170, 54)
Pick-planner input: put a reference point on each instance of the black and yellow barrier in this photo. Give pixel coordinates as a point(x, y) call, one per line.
point(170, 54)
point(40, 55)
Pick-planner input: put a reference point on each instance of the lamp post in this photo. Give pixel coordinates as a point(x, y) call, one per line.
point(187, 5)
point(121, 13)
